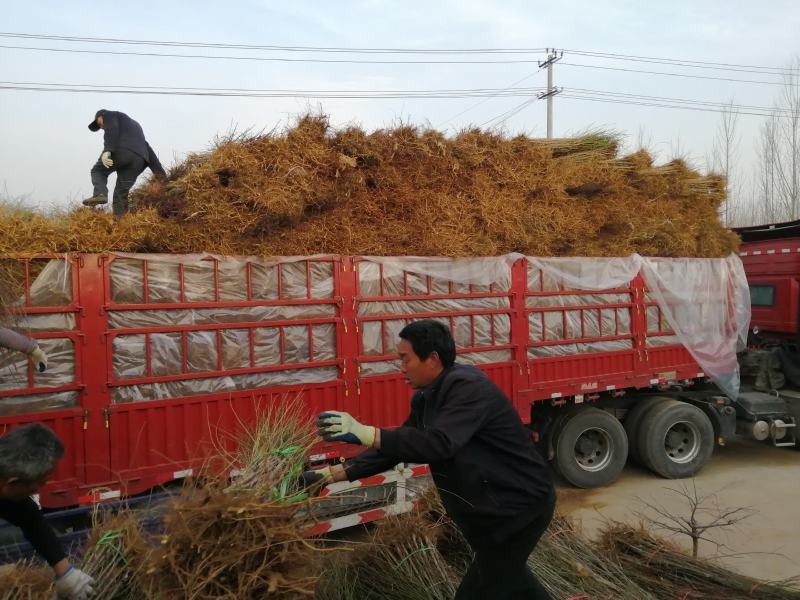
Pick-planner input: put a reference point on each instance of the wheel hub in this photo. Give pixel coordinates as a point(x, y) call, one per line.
point(593, 449)
point(682, 442)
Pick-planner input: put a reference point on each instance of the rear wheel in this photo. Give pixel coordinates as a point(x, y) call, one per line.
point(591, 448)
point(675, 439)
point(632, 420)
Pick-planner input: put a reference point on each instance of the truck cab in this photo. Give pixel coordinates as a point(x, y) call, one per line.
point(771, 258)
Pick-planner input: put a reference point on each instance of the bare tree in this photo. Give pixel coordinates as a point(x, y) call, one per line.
point(723, 160)
point(777, 185)
point(705, 514)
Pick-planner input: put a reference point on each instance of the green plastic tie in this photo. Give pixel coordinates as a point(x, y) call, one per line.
point(108, 539)
point(410, 554)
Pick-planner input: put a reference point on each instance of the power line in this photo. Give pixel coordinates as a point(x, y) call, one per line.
point(485, 100)
point(320, 49)
point(366, 50)
point(721, 105)
point(685, 62)
point(254, 93)
point(666, 105)
point(505, 116)
point(272, 58)
point(493, 91)
point(780, 83)
point(485, 93)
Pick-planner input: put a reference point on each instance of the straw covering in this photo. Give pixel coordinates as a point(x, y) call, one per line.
point(402, 190)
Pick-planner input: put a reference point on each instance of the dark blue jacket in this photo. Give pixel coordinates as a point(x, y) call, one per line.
point(490, 477)
point(122, 132)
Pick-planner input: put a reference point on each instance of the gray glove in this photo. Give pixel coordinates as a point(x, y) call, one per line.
point(105, 158)
point(74, 585)
point(39, 359)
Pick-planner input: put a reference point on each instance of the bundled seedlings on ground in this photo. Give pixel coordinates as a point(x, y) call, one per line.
point(113, 554)
point(569, 565)
point(402, 190)
point(25, 581)
point(401, 560)
point(218, 544)
point(668, 573)
point(243, 538)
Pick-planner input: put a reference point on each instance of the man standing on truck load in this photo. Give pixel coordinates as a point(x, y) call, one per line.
point(15, 341)
point(492, 482)
point(125, 151)
point(28, 456)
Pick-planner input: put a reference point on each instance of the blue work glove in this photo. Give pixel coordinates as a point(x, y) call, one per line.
point(334, 426)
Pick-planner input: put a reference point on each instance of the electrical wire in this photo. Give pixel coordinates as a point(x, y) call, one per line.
point(321, 49)
point(272, 58)
point(264, 93)
point(711, 77)
point(687, 63)
point(568, 95)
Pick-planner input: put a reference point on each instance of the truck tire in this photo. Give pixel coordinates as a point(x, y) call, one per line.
point(632, 420)
point(675, 439)
point(591, 448)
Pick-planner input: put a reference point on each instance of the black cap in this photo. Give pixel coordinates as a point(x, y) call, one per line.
point(93, 126)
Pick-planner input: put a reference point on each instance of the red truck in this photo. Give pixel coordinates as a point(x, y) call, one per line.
point(771, 258)
point(157, 359)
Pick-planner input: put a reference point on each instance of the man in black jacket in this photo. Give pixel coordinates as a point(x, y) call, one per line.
point(28, 456)
point(492, 482)
point(125, 151)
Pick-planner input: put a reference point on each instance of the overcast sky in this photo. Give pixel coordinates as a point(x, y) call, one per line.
point(46, 150)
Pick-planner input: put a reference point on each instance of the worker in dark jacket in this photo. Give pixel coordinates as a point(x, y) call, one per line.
point(126, 152)
point(28, 456)
point(492, 482)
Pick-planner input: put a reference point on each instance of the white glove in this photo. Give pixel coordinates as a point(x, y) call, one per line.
point(39, 359)
point(105, 158)
point(74, 585)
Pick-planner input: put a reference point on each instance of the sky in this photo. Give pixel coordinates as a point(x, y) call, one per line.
point(46, 150)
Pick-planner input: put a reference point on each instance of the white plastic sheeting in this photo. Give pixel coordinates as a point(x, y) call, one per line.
point(462, 272)
point(51, 287)
point(381, 277)
point(705, 302)
point(304, 345)
point(163, 278)
point(60, 372)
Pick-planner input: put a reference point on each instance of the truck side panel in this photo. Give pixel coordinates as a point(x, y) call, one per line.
point(173, 357)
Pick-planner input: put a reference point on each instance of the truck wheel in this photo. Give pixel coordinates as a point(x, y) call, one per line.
point(675, 439)
point(632, 420)
point(591, 448)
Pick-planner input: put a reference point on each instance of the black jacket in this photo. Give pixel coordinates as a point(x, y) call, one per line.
point(490, 477)
point(122, 132)
point(26, 515)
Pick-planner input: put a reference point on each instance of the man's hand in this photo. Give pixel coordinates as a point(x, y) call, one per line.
point(154, 187)
point(74, 585)
point(315, 480)
point(334, 426)
point(39, 359)
point(105, 158)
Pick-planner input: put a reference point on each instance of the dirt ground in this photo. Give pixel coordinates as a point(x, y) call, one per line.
point(742, 474)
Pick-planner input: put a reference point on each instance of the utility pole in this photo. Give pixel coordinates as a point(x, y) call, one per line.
point(552, 57)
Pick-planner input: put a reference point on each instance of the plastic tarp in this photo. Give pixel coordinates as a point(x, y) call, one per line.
point(304, 345)
point(382, 277)
point(60, 372)
point(50, 287)
point(705, 302)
